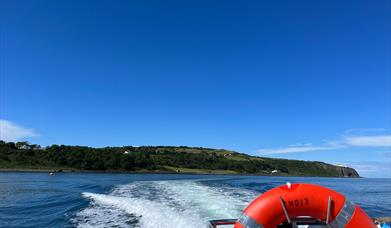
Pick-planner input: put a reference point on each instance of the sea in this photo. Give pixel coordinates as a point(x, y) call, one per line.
point(154, 200)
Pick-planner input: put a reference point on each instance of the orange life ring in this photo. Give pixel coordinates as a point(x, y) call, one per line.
point(294, 201)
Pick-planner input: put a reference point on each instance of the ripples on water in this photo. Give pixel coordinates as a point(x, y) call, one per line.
point(141, 200)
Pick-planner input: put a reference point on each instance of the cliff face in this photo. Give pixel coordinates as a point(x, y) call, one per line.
point(341, 171)
point(347, 172)
point(338, 171)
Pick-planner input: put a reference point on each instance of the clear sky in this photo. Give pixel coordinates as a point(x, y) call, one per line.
point(289, 79)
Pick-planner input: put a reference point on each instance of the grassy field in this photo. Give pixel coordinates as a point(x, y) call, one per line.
point(200, 171)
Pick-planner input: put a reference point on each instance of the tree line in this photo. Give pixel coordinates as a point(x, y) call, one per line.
point(153, 158)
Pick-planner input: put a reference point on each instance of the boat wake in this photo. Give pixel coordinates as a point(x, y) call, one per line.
point(162, 204)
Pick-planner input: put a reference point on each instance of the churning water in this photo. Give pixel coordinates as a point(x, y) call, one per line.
point(154, 200)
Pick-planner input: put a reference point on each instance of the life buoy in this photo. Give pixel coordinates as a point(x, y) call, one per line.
point(287, 202)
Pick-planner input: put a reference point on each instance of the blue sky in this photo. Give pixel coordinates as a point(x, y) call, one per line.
point(289, 79)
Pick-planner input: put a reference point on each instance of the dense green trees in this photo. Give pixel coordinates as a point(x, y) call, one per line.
point(161, 158)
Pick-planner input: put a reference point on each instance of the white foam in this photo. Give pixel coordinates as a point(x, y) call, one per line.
point(161, 204)
point(152, 214)
point(209, 202)
point(100, 216)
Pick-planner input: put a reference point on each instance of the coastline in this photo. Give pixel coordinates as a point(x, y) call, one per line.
point(189, 172)
point(159, 159)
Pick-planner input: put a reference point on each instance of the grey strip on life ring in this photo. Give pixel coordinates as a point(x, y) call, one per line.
point(344, 215)
point(248, 222)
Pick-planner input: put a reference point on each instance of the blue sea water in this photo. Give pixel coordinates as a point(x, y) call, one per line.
point(154, 200)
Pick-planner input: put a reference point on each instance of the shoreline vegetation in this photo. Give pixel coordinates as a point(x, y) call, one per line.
point(187, 172)
point(25, 157)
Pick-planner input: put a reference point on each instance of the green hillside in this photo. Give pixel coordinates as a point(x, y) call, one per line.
point(21, 156)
